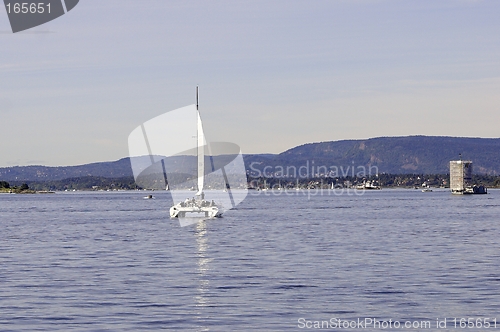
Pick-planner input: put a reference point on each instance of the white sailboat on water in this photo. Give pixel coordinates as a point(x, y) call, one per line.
point(197, 206)
point(164, 155)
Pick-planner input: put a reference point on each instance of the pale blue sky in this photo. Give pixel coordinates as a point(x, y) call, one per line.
point(272, 74)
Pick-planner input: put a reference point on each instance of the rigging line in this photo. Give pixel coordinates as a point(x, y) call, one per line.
point(147, 144)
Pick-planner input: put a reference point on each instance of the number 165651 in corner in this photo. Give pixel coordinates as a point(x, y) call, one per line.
point(28, 8)
point(474, 323)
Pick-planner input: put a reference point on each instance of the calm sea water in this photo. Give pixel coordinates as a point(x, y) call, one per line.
point(114, 261)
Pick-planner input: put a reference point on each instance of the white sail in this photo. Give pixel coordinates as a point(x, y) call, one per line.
point(201, 148)
point(201, 155)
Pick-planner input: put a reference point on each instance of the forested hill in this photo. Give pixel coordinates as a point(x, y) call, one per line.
point(402, 155)
point(114, 169)
point(394, 155)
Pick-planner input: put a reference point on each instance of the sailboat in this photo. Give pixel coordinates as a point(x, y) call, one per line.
point(171, 150)
point(197, 206)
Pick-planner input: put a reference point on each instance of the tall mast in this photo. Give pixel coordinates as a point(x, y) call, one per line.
point(201, 149)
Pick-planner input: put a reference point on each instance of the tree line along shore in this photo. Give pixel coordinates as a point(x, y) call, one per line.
point(6, 187)
point(90, 183)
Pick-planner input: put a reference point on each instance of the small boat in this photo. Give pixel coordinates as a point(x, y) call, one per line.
point(149, 197)
point(368, 185)
point(475, 190)
point(426, 188)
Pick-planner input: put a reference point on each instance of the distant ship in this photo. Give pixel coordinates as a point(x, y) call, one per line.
point(368, 185)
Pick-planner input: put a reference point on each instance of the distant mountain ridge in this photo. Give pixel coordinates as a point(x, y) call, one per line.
point(402, 155)
point(113, 169)
point(393, 155)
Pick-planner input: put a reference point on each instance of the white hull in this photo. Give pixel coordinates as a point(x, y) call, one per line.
point(199, 209)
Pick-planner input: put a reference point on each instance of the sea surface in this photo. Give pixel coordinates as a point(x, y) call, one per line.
point(114, 261)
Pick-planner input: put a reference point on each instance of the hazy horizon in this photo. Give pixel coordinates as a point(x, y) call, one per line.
point(272, 75)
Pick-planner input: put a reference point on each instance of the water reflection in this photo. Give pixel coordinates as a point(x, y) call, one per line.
point(187, 221)
point(202, 299)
